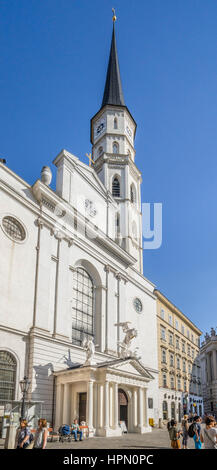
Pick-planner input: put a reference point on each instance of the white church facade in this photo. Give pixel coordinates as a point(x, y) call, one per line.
point(71, 269)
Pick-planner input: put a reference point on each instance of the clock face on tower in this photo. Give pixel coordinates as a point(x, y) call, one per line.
point(99, 128)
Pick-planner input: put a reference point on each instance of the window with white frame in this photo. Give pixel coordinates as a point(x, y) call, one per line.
point(171, 360)
point(170, 319)
point(178, 363)
point(164, 377)
point(170, 338)
point(163, 333)
point(172, 382)
point(184, 365)
point(164, 356)
point(177, 324)
point(162, 313)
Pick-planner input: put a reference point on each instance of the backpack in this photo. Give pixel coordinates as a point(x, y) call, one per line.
point(191, 431)
point(65, 430)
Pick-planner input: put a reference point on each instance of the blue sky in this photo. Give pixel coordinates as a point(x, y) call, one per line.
point(53, 61)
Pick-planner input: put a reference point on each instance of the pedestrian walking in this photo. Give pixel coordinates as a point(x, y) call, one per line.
point(23, 435)
point(41, 435)
point(174, 434)
point(198, 438)
point(210, 433)
point(185, 427)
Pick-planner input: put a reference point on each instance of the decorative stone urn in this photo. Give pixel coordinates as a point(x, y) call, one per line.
point(46, 175)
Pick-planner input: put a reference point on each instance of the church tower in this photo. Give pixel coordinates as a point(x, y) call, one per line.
point(112, 136)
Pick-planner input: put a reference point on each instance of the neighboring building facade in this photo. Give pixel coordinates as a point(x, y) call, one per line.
point(71, 268)
point(178, 361)
point(208, 359)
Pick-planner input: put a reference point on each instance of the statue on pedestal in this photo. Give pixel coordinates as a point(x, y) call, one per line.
point(89, 347)
point(130, 334)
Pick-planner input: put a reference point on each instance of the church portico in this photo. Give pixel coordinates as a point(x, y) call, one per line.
point(103, 395)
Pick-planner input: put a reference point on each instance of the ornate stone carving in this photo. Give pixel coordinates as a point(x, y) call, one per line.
point(130, 334)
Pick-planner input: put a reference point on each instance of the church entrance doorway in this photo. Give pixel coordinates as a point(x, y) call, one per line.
point(123, 406)
point(82, 406)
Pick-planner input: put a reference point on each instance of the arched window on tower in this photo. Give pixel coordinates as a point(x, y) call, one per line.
point(82, 314)
point(116, 187)
point(115, 147)
point(8, 368)
point(133, 193)
point(115, 123)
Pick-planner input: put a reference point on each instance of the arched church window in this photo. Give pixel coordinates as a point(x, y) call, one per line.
point(115, 147)
point(115, 123)
point(82, 314)
point(116, 187)
point(133, 193)
point(8, 367)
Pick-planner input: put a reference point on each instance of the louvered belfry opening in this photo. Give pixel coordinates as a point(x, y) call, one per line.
point(116, 187)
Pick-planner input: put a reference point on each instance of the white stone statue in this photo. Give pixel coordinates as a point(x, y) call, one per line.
point(89, 347)
point(130, 334)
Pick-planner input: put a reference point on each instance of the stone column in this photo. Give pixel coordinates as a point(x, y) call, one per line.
point(59, 409)
point(62, 318)
point(141, 408)
point(100, 307)
point(111, 313)
point(209, 376)
point(66, 404)
point(214, 361)
point(90, 405)
point(95, 407)
point(111, 405)
point(106, 405)
point(115, 405)
point(135, 408)
point(100, 405)
point(145, 413)
point(42, 278)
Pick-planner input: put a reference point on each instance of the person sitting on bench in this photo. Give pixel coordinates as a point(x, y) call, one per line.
point(76, 430)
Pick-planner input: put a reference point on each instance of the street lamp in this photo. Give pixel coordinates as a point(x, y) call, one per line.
point(24, 386)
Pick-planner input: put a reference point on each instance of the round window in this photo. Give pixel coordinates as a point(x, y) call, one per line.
point(13, 228)
point(137, 305)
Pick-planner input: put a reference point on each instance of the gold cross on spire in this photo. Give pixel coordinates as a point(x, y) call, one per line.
point(114, 16)
point(88, 155)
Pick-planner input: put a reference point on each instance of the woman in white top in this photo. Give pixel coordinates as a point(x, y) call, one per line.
point(41, 434)
point(210, 433)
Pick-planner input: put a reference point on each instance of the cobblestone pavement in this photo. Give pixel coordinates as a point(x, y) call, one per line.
point(157, 439)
